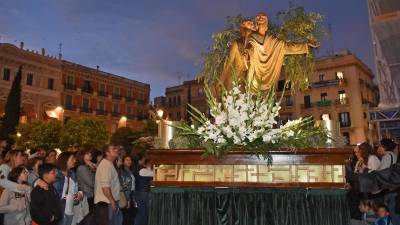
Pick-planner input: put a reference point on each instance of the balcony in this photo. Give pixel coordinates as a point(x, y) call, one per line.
point(86, 109)
point(343, 102)
point(102, 93)
point(326, 83)
point(101, 112)
point(116, 114)
point(116, 96)
point(69, 86)
point(87, 89)
point(128, 99)
point(70, 107)
point(324, 103)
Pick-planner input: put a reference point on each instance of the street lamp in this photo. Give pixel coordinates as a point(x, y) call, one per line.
point(160, 113)
point(122, 122)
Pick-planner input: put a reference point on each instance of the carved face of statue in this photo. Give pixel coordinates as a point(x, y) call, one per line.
point(248, 25)
point(262, 20)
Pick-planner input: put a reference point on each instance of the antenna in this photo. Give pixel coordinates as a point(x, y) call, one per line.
point(60, 51)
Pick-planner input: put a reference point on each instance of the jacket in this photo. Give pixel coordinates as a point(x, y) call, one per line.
point(15, 207)
point(45, 206)
point(86, 177)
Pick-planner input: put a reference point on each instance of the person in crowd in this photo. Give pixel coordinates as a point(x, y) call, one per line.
point(67, 186)
point(51, 157)
point(45, 207)
point(14, 205)
point(383, 216)
point(385, 151)
point(368, 214)
point(13, 158)
point(37, 153)
point(3, 148)
point(25, 159)
point(107, 189)
point(143, 177)
point(33, 168)
point(97, 156)
point(85, 175)
point(368, 161)
point(127, 190)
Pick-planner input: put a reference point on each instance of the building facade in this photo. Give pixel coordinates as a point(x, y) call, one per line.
point(342, 89)
point(116, 100)
point(40, 83)
point(50, 82)
point(178, 97)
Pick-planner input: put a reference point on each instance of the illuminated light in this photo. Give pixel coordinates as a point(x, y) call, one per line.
point(19, 134)
point(339, 75)
point(160, 113)
point(58, 151)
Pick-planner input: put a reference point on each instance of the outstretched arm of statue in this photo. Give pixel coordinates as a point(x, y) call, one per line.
point(296, 49)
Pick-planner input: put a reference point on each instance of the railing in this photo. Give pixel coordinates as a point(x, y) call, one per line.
point(87, 89)
point(129, 99)
point(316, 168)
point(101, 112)
point(117, 97)
point(70, 107)
point(102, 93)
point(86, 109)
point(325, 83)
point(343, 101)
point(116, 114)
point(324, 103)
point(69, 86)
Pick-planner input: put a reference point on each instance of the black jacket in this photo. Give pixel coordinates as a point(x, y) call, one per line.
point(45, 205)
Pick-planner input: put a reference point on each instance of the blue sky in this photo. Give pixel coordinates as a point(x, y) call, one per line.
point(158, 41)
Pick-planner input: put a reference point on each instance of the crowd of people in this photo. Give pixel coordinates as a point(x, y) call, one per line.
point(382, 205)
point(84, 187)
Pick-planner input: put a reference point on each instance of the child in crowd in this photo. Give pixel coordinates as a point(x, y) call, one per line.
point(45, 204)
point(383, 215)
point(368, 214)
point(16, 205)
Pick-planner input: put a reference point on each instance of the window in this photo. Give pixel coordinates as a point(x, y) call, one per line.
point(87, 86)
point(178, 116)
point(281, 85)
point(323, 96)
point(288, 100)
point(169, 102)
point(200, 92)
point(68, 102)
point(50, 84)
point(339, 75)
point(128, 110)
point(115, 108)
point(174, 101)
point(321, 77)
point(347, 136)
point(29, 79)
point(102, 88)
point(129, 94)
point(116, 91)
point(307, 101)
point(342, 97)
point(101, 105)
point(344, 119)
point(179, 100)
point(70, 80)
point(6, 74)
point(85, 103)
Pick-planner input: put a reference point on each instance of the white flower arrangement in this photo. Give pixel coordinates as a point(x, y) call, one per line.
point(248, 121)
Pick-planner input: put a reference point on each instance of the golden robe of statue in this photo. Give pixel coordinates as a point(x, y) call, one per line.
point(266, 60)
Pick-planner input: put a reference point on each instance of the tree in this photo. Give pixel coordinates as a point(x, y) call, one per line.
point(84, 132)
point(40, 135)
point(123, 136)
point(12, 109)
